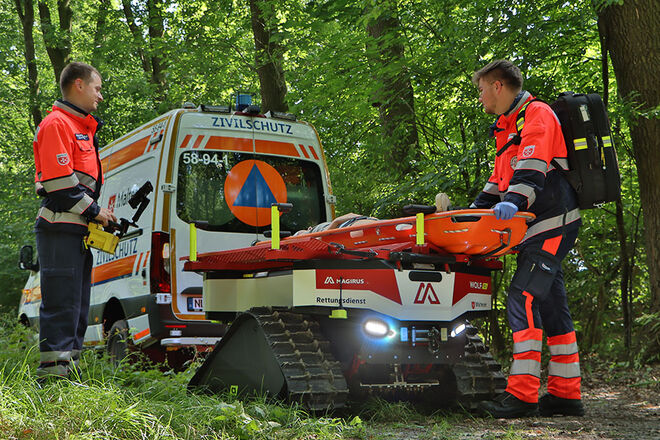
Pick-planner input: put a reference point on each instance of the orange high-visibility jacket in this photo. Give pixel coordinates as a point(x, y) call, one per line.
point(524, 175)
point(68, 168)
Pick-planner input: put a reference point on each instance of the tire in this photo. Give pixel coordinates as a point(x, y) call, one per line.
point(118, 342)
point(24, 321)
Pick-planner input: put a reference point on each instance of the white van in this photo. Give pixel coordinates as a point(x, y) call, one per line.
point(219, 169)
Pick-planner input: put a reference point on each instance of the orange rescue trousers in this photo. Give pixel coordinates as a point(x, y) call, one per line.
point(537, 301)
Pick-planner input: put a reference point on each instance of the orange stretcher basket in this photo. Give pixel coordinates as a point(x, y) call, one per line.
point(467, 231)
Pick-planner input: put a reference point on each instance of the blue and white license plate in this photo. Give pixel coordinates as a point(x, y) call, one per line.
point(195, 304)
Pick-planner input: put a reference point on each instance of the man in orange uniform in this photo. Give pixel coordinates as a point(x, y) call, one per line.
point(530, 149)
point(69, 178)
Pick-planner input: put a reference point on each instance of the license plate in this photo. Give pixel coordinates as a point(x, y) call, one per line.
point(195, 304)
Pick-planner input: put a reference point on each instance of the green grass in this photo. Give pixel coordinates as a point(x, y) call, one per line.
point(135, 403)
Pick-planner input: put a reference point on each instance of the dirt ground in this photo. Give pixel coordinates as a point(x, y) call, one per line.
point(620, 405)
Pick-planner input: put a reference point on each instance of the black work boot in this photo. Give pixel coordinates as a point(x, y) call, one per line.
point(550, 405)
point(508, 406)
point(48, 372)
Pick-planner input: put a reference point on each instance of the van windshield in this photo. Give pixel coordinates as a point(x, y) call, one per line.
point(233, 191)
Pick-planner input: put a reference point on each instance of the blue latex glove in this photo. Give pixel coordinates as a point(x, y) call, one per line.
point(505, 210)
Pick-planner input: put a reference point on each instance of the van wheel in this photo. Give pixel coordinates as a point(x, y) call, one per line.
point(118, 342)
point(24, 321)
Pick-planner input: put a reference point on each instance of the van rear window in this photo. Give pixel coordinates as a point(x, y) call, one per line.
point(233, 191)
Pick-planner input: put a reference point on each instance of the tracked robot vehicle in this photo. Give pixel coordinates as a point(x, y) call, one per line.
point(379, 309)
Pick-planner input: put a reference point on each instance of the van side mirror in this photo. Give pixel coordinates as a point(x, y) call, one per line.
point(25, 259)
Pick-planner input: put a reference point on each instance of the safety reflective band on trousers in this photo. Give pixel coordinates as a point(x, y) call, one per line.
point(562, 349)
point(54, 356)
point(564, 370)
point(525, 366)
point(524, 346)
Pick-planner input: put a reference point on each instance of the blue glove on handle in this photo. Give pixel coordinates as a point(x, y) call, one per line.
point(505, 210)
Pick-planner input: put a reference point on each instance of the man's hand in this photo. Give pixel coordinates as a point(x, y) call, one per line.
point(105, 215)
point(505, 210)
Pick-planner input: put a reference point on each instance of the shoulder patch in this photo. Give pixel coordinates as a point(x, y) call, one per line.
point(514, 162)
point(528, 151)
point(63, 159)
point(82, 137)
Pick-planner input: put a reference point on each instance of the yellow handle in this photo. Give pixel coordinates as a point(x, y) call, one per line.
point(274, 227)
point(420, 228)
point(338, 314)
point(193, 242)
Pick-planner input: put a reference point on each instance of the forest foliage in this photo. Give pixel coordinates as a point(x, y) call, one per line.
point(387, 84)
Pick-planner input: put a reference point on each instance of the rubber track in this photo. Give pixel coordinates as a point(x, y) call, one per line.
point(479, 376)
point(313, 377)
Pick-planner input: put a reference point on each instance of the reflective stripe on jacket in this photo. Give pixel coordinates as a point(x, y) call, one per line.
point(524, 175)
point(68, 168)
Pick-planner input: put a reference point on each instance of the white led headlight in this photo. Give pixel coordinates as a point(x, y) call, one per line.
point(460, 328)
point(376, 328)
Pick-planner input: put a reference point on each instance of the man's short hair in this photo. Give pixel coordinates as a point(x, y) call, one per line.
point(502, 70)
point(73, 71)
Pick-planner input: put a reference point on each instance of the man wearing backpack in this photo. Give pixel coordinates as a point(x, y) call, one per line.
point(530, 147)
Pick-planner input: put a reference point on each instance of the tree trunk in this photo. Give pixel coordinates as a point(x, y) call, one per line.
point(152, 59)
point(269, 59)
point(394, 96)
point(634, 45)
point(25, 11)
point(464, 172)
point(620, 224)
point(626, 271)
point(592, 331)
point(57, 40)
point(137, 36)
point(99, 34)
point(156, 33)
point(497, 340)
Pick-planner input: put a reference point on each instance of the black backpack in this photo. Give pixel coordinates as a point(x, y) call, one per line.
point(592, 162)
